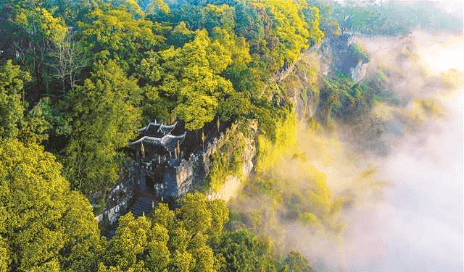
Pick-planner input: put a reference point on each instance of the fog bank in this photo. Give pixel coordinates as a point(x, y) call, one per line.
point(418, 224)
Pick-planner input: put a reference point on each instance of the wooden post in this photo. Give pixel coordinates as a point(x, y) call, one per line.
point(142, 149)
point(203, 139)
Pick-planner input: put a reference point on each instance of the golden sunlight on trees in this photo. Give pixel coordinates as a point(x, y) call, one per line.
point(11, 98)
point(172, 241)
point(43, 225)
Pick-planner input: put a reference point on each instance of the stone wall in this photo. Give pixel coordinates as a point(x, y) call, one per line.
point(192, 173)
point(119, 197)
point(187, 174)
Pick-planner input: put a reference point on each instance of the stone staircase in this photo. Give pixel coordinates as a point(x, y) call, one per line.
point(142, 206)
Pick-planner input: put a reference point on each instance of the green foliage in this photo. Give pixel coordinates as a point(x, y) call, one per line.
point(104, 118)
point(264, 185)
point(228, 158)
point(180, 35)
point(191, 238)
point(200, 16)
point(350, 102)
point(37, 32)
point(172, 241)
point(194, 213)
point(358, 52)
point(293, 191)
point(288, 33)
point(243, 251)
point(38, 122)
point(11, 98)
point(249, 22)
point(4, 254)
point(295, 262)
point(304, 80)
point(308, 218)
point(39, 25)
point(219, 16)
point(327, 20)
point(190, 78)
point(43, 224)
point(332, 92)
point(235, 106)
point(117, 34)
point(130, 240)
point(97, 69)
point(34, 125)
point(393, 18)
point(316, 34)
point(271, 149)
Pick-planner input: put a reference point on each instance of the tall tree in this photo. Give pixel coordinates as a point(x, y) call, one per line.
point(68, 60)
point(116, 33)
point(190, 78)
point(12, 101)
point(31, 125)
point(37, 33)
point(104, 117)
point(243, 251)
point(43, 225)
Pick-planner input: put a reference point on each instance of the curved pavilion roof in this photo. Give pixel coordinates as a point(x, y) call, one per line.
point(157, 128)
point(161, 138)
point(169, 142)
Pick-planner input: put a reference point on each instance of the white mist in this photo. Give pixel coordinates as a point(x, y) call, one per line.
point(418, 226)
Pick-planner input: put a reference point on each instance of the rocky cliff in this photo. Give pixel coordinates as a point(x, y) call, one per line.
point(300, 82)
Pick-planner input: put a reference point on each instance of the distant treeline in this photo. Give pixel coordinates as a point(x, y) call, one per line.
point(388, 17)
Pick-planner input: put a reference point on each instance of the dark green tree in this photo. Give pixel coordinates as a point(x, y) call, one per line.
point(243, 251)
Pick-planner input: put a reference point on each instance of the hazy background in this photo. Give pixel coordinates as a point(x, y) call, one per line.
point(417, 224)
point(402, 192)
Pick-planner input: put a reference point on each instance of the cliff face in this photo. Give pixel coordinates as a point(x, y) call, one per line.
point(344, 54)
point(230, 159)
point(301, 85)
point(300, 82)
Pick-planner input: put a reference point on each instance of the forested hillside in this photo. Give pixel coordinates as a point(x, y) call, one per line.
point(78, 79)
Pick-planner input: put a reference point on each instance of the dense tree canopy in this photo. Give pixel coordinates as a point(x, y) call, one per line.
point(43, 225)
point(103, 117)
point(174, 240)
point(118, 34)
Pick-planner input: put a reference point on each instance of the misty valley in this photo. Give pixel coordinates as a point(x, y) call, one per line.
point(231, 135)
